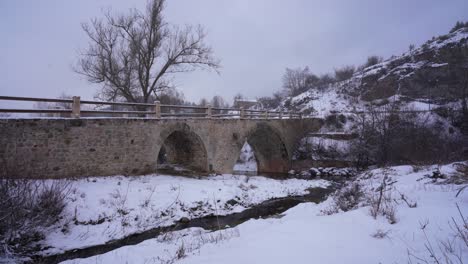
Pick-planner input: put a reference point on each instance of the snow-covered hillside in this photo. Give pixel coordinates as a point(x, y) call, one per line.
point(425, 78)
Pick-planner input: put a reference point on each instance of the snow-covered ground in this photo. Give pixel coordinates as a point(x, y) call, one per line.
point(101, 209)
point(305, 234)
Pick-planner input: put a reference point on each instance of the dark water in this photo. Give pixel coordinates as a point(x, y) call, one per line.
point(211, 222)
point(274, 175)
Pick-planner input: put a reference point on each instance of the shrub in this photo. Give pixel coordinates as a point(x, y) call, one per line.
point(425, 47)
point(381, 202)
point(335, 121)
point(27, 208)
point(344, 73)
point(379, 234)
point(442, 38)
point(372, 60)
point(348, 197)
point(458, 25)
point(342, 118)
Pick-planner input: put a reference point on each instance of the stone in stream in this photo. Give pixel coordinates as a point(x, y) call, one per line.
point(184, 220)
point(232, 202)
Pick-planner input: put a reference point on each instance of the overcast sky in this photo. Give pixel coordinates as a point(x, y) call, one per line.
point(255, 39)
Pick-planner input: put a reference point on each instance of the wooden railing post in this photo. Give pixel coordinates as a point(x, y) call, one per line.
point(290, 115)
point(157, 109)
point(76, 107)
point(300, 115)
point(266, 114)
point(281, 114)
point(242, 113)
point(208, 111)
point(57, 114)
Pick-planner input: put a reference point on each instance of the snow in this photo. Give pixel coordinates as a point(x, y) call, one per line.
point(436, 65)
point(101, 209)
point(247, 161)
point(320, 147)
point(419, 106)
point(454, 37)
point(304, 234)
point(325, 102)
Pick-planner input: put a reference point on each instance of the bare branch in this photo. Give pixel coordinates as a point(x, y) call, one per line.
point(133, 54)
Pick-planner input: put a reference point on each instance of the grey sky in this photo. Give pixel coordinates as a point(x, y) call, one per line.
point(255, 39)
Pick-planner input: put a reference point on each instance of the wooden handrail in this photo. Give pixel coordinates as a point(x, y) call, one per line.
point(115, 103)
point(117, 112)
point(225, 109)
point(43, 111)
point(32, 99)
point(183, 114)
point(185, 106)
point(154, 111)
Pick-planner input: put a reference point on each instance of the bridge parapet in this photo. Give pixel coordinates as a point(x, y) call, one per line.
point(73, 108)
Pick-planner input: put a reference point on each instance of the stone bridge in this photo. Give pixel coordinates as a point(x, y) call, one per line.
point(58, 148)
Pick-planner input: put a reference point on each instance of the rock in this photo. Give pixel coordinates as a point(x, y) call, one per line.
point(232, 202)
point(184, 220)
point(305, 174)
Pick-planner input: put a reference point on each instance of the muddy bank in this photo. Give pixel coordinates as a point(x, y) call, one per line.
point(211, 222)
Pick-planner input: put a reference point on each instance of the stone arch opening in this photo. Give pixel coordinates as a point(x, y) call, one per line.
point(246, 162)
point(182, 151)
point(270, 150)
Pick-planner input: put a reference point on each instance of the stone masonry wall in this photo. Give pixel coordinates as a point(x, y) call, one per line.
point(59, 148)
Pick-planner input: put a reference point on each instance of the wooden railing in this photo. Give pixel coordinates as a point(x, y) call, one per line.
point(146, 110)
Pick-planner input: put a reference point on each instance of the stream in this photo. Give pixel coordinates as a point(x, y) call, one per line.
point(265, 209)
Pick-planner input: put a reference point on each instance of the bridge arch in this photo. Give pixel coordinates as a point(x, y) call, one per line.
point(181, 146)
point(270, 149)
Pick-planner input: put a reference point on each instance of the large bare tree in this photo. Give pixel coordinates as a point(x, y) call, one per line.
point(135, 55)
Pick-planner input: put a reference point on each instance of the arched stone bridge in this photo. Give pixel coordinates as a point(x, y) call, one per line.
point(57, 148)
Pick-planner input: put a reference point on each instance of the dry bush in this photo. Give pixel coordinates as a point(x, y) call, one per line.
point(344, 73)
point(381, 202)
point(332, 209)
point(349, 197)
point(189, 244)
point(27, 208)
point(379, 233)
point(345, 199)
point(180, 252)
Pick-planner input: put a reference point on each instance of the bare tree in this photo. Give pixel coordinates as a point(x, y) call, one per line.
point(296, 81)
point(203, 102)
point(238, 96)
point(218, 101)
point(270, 102)
point(135, 55)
